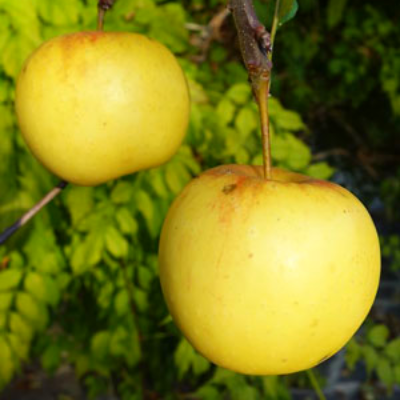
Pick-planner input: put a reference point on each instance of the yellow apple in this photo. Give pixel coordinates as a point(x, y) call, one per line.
point(268, 276)
point(93, 106)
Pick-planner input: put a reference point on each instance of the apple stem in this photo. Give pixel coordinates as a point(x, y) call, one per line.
point(7, 233)
point(262, 100)
point(103, 6)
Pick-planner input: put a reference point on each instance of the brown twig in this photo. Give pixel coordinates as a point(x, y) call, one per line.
point(207, 34)
point(32, 212)
point(256, 48)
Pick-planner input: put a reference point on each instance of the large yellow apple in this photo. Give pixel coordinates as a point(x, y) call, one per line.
point(268, 276)
point(93, 106)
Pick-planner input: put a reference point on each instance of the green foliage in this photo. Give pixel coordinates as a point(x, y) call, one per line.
point(341, 65)
point(380, 353)
point(390, 246)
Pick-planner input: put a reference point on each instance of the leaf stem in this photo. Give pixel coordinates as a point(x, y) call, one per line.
point(315, 384)
point(32, 212)
point(274, 28)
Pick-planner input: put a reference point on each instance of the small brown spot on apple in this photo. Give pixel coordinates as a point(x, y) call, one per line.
point(229, 188)
point(251, 255)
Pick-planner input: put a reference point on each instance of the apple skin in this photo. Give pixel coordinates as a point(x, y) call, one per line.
point(93, 106)
point(267, 277)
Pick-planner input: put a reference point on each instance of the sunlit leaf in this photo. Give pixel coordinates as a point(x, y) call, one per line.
point(10, 278)
point(115, 242)
point(100, 344)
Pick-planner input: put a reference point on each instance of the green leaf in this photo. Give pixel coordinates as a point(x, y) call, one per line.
point(176, 176)
point(9, 279)
point(122, 192)
point(5, 300)
point(115, 242)
point(35, 285)
point(3, 321)
point(371, 358)
point(335, 12)
point(5, 91)
point(396, 372)
point(392, 350)
point(145, 277)
point(126, 222)
point(200, 364)
point(32, 310)
point(6, 364)
point(88, 253)
point(208, 393)
point(52, 288)
point(353, 353)
point(246, 121)
point(239, 93)
point(287, 10)
point(51, 358)
point(22, 15)
point(320, 170)
point(121, 303)
point(100, 344)
point(225, 110)
point(385, 371)
point(174, 34)
point(280, 148)
point(300, 154)
point(183, 357)
point(82, 365)
point(157, 183)
point(20, 327)
point(145, 205)
point(79, 201)
point(141, 299)
point(20, 347)
point(288, 120)
point(104, 298)
point(60, 12)
point(172, 178)
point(15, 52)
point(378, 335)
point(118, 341)
point(186, 357)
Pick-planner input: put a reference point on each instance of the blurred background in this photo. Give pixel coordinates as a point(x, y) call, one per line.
point(81, 311)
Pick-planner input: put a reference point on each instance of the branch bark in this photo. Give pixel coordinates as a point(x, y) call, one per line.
point(256, 48)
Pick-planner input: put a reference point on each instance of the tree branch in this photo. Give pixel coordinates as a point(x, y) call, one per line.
point(33, 211)
point(256, 48)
